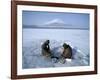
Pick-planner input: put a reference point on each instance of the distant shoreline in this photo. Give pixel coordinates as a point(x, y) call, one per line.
point(31, 27)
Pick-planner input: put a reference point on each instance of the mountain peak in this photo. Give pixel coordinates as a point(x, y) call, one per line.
point(55, 21)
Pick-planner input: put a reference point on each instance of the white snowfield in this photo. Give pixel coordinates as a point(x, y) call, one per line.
point(33, 39)
point(32, 57)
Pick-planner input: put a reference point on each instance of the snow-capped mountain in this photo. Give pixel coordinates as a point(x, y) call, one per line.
point(55, 23)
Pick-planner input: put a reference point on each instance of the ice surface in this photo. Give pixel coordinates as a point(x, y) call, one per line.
point(33, 39)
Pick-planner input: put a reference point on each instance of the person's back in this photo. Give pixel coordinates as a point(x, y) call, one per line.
point(67, 52)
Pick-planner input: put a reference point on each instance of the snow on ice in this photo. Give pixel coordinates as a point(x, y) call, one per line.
point(33, 38)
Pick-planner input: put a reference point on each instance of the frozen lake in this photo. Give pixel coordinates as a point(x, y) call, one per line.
point(32, 39)
point(79, 38)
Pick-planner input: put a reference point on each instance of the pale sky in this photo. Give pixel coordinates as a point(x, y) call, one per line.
point(42, 17)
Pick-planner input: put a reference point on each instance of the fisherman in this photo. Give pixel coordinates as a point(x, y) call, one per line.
point(46, 49)
point(67, 53)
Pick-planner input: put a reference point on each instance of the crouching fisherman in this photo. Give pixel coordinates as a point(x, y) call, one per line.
point(66, 54)
point(46, 49)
